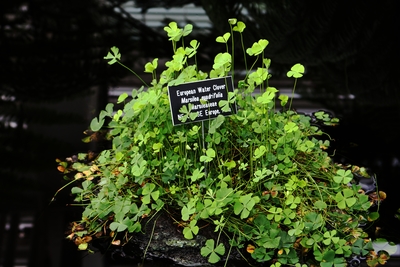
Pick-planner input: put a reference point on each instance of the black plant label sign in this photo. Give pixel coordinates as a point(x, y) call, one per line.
point(201, 100)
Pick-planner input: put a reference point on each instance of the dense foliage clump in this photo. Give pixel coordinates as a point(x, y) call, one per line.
point(260, 176)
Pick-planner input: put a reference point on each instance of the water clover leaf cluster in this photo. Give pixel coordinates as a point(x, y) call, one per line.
point(262, 176)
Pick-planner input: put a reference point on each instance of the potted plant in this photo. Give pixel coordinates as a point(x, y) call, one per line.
point(261, 177)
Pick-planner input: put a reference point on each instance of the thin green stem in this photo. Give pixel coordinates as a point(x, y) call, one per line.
point(197, 67)
point(244, 52)
point(155, 75)
point(262, 62)
point(174, 47)
point(62, 188)
point(133, 73)
point(233, 54)
point(251, 160)
point(252, 66)
point(229, 251)
point(291, 99)
point(151, 237)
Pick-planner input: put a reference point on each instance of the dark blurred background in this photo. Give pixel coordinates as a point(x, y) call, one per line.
point(53, 81)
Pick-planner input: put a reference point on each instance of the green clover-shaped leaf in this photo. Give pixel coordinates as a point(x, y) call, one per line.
point(224, 38)
point(320, 205)
point(151, 66)
point(343, 176)
point(240, 26)
point(267, 96)
point(174, 33)
point(212, 252)
point(292, 201)
point(192, 50)
point(289, 215)
point(114, 56)
point(210, 154)
point(191, 229)
point(296, 71)
point(275, 213)
point(291, 127)
point(284, 99)
point(260, 151)
point(330, 237)
point(297, 228)
point(259, 76)
point(188, 210)
point(149, 193)
point(222, 59)
point(96, 124)
point(232, 21)
point(197, 174)
point(345, 198)
point(257, 48)
point(187, 29)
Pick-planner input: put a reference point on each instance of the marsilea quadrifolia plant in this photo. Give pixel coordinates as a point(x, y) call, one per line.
point(261, 176)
